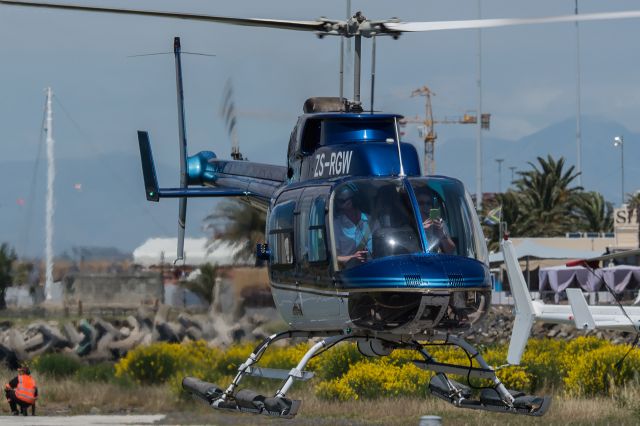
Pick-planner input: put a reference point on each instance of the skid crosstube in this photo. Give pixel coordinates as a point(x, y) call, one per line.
point(496, 398)
point(460, 395)
point(246, 401)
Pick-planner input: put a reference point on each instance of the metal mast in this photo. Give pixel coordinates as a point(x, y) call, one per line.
point(578, 130)
point(49, 204)
point(479, 129)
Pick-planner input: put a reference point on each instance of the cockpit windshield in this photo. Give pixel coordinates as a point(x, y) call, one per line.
point(373, 218)
point(450, 223)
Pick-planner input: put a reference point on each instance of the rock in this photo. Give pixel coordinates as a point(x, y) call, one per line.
point(34, 342)
point(162, 314)
point(133, 322)
point(103, 327)
point(41, 350)
point(168, 332)
point(194, 333)
point(145, 317)
point(53, 334)
point(15, 343)
point(125, 345)
point(8, 358)
point(90, 336)
point(72, 334)
point(259, 333)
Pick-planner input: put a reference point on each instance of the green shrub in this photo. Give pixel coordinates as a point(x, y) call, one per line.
point(56, 365)
point(102, 372)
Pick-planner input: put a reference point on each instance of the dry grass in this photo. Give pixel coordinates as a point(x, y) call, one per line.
point(564, 411)
point(68, 396)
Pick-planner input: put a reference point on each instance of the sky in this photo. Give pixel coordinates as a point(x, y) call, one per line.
point(104, 95)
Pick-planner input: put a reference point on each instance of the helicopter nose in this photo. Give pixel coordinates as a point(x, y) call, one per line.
point(422, 271)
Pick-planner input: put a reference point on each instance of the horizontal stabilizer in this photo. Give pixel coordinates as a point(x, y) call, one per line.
point(581, 313)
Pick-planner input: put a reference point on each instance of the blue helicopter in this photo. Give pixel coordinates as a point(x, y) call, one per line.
point(360, 246)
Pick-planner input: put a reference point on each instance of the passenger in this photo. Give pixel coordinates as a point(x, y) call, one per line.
point(353, 233)
point(434, 225)
point(389, 209)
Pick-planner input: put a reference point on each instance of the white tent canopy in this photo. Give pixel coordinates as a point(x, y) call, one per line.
point(154, 251)
point(528, 248)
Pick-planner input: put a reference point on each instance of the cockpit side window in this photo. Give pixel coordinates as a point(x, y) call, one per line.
point(371, 219)
point(450, 223)
point(281, 234)
point(317, 232)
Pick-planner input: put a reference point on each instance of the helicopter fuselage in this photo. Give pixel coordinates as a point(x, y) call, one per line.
point(401, 279)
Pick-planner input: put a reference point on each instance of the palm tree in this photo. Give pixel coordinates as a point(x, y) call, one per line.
point(204, 284)
point(593, 213)
point(633, 203)
point(239, 224)
point(510, 214)
point(546, 198)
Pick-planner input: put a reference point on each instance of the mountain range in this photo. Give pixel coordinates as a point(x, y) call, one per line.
point(100, 202)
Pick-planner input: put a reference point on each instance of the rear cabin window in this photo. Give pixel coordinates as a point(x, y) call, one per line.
point(281, 233)
point(345, 131)
point(311, 135)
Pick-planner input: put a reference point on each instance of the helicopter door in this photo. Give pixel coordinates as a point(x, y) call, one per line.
point(312, 269)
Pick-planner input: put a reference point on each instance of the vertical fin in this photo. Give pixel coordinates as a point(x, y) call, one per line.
point(581, 313)
point(524, 310)
point(148, 168)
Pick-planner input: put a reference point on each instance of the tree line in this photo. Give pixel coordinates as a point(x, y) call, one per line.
point(546, 202)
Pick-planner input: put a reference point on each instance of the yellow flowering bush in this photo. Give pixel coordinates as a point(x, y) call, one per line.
point(584, 366)
point(599, 371)
point(371, 379)
point(336, 361)
point(159, 362)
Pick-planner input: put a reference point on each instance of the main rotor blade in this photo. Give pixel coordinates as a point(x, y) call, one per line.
point(251, 22)
point(505, 22)
point(610, 256)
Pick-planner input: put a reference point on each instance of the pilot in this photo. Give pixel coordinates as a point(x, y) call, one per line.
point(353, 232)
point(434, 226)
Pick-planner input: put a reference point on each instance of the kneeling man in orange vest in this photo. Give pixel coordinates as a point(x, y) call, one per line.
point(22, 392)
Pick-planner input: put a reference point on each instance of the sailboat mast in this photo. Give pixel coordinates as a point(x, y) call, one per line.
point(49, 204)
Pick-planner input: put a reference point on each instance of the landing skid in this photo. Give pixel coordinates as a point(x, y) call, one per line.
point(496, 398)
point(248, 401)
point(489, 400)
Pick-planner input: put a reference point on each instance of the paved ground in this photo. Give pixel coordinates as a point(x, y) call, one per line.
point(80, 420)
point(214, 419)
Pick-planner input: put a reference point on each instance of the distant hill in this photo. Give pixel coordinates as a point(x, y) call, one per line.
point(600, 159)
point(110, 210)
point(99, 202)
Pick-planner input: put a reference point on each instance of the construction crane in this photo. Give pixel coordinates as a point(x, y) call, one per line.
point(427, 131)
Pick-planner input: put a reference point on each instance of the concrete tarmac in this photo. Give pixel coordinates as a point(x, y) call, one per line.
point(81, 420)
